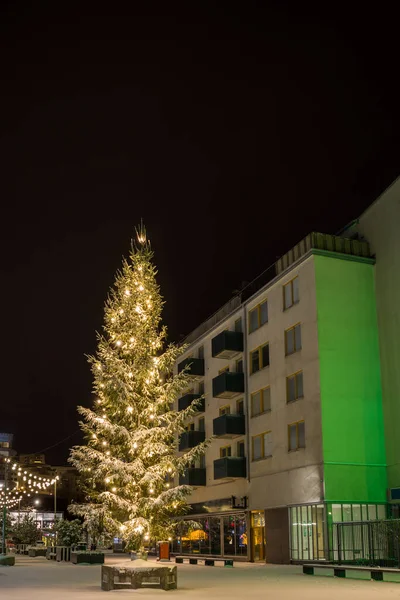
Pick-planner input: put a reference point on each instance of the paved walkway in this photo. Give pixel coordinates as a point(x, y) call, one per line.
point(38, 579)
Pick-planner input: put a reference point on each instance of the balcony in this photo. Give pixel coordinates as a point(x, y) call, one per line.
point(229, 426)
point(187, 400)
point(230, 466)
point(227, 344)
point(228, 385)
point(196, 366)
point(193, 477)
point(190, 439)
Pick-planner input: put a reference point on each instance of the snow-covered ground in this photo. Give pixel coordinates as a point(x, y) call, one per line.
point(38, 579)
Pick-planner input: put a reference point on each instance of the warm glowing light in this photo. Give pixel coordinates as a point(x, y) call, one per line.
point(129, 409)
point(94, 436)
point(151, 417)
point(114, 489)
point(127, 292)
point(151, 490)
point(134, 444)
point(138, 309)
point(141, 288)
point(169, 470)
point(130, 374)
point(121, 311)
point(107, 480)
point(104, 443)
point(112, 319)
point(99, 401)
point(132, 339)
point(119, 343)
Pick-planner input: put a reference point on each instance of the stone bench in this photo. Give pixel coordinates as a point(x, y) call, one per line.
point(209, 562)
point(118, 577)
point(376, 573)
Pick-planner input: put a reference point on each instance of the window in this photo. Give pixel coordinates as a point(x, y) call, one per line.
point(239, 365)
point(259, 358)
point(4, 444)
point(261, 401)
point(201, 388)
point(293, 339)
point(225, 451)
point(294, 386)
point(201, 352)
point(223, 370)
point(258, 316)
point(262, 445)
point(238, 325)
point(201, 426)
point(190, 427)
point(239, 407)
point(202, 462)
point(291, 293)
point(240, 449)
point(225, 410)
point(296, 436)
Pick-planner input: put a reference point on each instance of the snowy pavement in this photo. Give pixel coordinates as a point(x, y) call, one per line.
point(38, 579)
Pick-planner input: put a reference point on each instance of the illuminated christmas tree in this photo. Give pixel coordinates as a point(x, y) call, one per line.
point(130, 459)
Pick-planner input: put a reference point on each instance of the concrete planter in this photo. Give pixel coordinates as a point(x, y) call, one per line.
point(7, 560)
point(33, 552)
point(142, 576)
point(87, 558)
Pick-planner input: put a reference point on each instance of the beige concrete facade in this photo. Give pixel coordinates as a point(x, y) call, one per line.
point(285, 477)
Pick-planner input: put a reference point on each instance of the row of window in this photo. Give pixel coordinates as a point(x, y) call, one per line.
point(261, 399)
point(261, 445)
point(259, 357)
point(258, 315)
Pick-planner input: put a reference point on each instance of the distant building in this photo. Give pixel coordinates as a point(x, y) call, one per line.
point(32, 459)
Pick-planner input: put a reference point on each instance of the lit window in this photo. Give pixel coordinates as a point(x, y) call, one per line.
point(261, 401)
point(294, 387)
point(262, 445)
point(259, 358)
point(291, 293)
point(225, 410)
point(296, 436)
point(293, 339)
point(258, 316)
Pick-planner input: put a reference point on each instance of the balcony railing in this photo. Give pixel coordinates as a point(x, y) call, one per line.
point(228, 385)
point(186, 400)
point(229, 426)
point(230, 466)
point(190, 439)
point(195, 477)
point(196, 366)
point(227, 344)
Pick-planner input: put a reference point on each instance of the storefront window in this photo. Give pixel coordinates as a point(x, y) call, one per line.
point(205, 538)
point(307, 532)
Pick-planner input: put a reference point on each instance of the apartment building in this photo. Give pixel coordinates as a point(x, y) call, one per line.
point(291, 376)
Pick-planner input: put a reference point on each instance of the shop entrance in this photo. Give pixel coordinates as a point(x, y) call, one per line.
point(258, 536)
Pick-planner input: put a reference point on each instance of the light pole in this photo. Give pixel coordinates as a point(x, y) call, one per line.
point(55, 499)
point(4, 549)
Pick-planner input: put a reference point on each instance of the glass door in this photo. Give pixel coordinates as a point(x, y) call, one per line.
point(258, 536)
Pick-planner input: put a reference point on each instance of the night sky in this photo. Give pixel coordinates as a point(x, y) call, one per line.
point(232, 134)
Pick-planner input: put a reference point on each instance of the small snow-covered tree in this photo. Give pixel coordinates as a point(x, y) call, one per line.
point(130, 459)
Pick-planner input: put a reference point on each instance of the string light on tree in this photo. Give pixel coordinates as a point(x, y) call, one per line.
point(138, 433)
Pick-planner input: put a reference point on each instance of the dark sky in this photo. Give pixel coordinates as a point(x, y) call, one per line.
point(232, 133)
